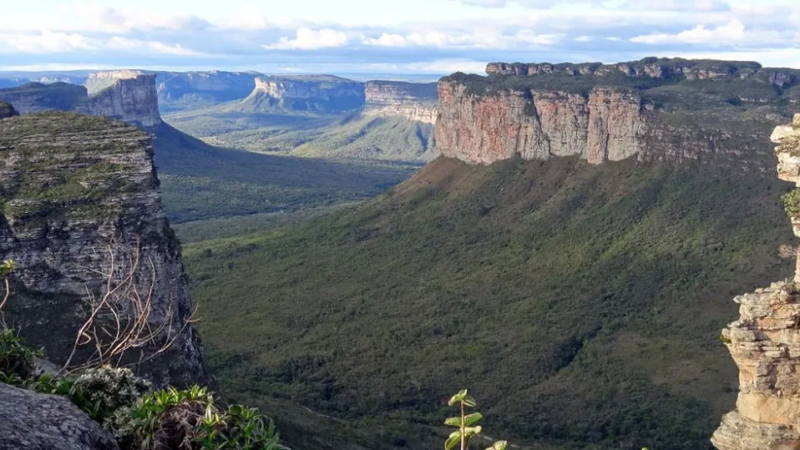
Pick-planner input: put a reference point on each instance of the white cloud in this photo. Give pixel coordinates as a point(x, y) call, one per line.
point(121, 43)
point(94, 17)
point(387, 40)
point(45, 42)
point(477, 39)
point(308, 39)
point(249, 17)
point(733, 31)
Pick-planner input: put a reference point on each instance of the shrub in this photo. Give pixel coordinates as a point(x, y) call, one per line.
point(17, 360)
point(791, 202)
point(189, 420)
point(104, 390)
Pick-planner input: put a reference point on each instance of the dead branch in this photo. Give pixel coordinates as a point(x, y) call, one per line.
point(122, 317)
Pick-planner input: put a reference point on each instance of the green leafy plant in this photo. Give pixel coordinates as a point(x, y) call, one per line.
point(791, 202)
point(189, 420)
point(17, 360)
point(466, 424)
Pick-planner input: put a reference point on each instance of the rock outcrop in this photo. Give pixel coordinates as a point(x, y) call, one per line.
point(6, 110)
point(125, 95)
point(31, 421)
point(606, 125)
point(653, 110)
point(77, 191)
point(413, 101)
point(316, 93)
point(765, 344)
point(130, 97)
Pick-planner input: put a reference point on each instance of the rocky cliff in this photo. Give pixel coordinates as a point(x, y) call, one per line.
point(78, 194)
point(129, 96)
point(652, 110)
point(413, 101)
point(765, 342)
point(312, 93)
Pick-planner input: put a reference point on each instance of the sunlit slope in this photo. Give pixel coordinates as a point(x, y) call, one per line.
point(581, 303)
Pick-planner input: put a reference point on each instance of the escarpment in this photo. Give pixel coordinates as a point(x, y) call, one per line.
point(651, 110)
point(127, 95)
point(413, 101)
point(80, 207)
point(320, 93)
point(765, 342)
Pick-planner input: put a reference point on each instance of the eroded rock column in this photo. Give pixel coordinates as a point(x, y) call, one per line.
point(765, 342)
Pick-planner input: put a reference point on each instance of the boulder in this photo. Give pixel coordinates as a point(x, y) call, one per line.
point(32, 421)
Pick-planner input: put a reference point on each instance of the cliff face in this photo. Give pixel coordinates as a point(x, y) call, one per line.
point(708, 111)
point(124, 95)
point(133, 100)
point(72, 185)
point(606, 125)
point(318, 93)
point(765, 344)
point(413, 101)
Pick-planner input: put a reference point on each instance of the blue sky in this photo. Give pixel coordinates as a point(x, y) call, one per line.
point(386, 36)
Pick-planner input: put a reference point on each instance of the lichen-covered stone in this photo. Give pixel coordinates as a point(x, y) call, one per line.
point(70, 185)
point(31, 421)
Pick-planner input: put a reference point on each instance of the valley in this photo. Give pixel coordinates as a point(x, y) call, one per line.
point(562, 239)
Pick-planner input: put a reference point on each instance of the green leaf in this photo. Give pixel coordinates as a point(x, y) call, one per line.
point(452, 441)
point(453, 421)
point(457, 398)
point(469, 401)
point(472, 430)
point(472, 418)
point(499, 445)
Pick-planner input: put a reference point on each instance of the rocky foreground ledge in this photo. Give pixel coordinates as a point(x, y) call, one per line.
point(765, 344)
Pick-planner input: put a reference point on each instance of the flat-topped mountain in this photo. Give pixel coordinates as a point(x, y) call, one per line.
point(303, 93)
point(129, 96)
point(414, 101)
point(80, 200)
point(652, 109)
point(182, 90)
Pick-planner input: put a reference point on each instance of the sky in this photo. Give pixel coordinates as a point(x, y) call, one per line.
point(387, 36)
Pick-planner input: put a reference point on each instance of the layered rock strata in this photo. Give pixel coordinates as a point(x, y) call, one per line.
point(765, 344)
point(79, 192)
point(605, 125)
point(413, 101)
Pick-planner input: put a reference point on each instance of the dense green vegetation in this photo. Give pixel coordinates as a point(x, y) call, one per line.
point(583, 303)
point(343, 136)
point(201, 182)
